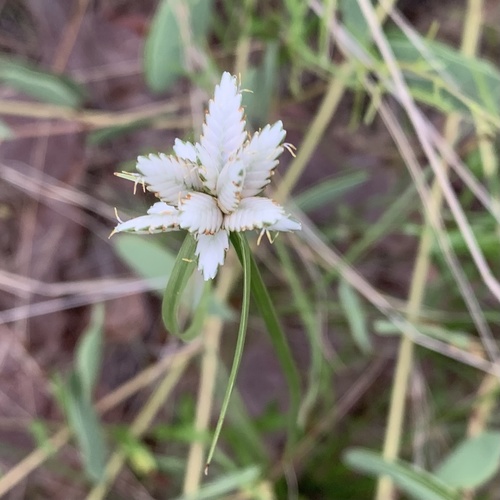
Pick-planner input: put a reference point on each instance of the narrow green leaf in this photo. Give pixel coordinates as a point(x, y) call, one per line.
point(328, 190)
point(184, 266)
point(41, 85)
point(163, 50)
point(355, 315)
point(85, 424)
point(240, 342)
point(228, 482)
point(473, 462)
point(354, 21)
point(103, 135)
point(439, 75)
point(459, 339)
point(89, 352)
point(418, 483)
point(262, 81)
point(278, 339)
point(201, 18)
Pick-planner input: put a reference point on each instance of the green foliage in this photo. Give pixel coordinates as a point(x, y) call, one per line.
point(295, 61)
point(242, 479)
point(83, 421)
point(184, 266)
point(141, 459)
point(261, 82)
point(356, 317)
point(42, 85)
point(266, 309)
point(446, 79)
point(146, 257)
point(77, 397)
point(473, 462)
point(418, 483)
point(326, 191)
point(173, 24)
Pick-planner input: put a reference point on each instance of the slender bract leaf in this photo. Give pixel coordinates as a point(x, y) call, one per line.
point(41, 85)
point(418, 483)
point(355, 316)
point(183, 269)
point(85, 424)
point(473, 462)
point(89, 352)
point(278, 339)
point(238, 353)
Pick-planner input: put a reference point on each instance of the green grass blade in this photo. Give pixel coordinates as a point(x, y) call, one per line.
point(247, 277)
point(327, 190)
point(183, 269)
point(356, 316)
point(418, 483)
point(42, 85)
point(278, 339)
point(85, 424)
point(89, 352)
point(163, 50)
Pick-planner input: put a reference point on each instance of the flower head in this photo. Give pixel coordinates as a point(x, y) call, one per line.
point(212, 187)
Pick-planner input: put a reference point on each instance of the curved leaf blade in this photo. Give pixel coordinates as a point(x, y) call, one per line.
point(42, 85)
point(184, 266)
point(418, 483)
point(473, 462)
point(242, 330)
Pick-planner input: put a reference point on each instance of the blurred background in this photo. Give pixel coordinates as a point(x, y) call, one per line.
point(395, 115)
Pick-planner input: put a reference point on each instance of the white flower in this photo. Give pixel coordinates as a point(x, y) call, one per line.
point(211, 188)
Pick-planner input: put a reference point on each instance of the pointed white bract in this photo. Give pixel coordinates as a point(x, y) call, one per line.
point(211, 188)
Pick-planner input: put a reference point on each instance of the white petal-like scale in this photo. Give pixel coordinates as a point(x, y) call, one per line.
point(161, 218)
point(208, 169)
point(285, 224)
point(211, 250)
point(260, 157)
point(254, 213)
point(229, 186)
point(199, 213)
point(185, 150)
point(165, 175)
point(223, 130)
